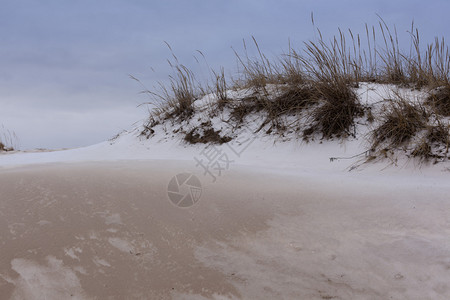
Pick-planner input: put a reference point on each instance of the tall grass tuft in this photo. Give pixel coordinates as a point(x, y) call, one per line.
point(400, 121)
point(220, 87)
point(180, 95)
point(257, 72)
point(8, 139)
point(175, 100)
point(439, 100)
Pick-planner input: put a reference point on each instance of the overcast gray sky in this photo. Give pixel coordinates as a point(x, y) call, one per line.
point(64, 64)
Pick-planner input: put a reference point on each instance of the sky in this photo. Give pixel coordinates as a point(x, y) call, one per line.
point(65, 65)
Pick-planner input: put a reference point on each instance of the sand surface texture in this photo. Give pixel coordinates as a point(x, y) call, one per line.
point(109, 231)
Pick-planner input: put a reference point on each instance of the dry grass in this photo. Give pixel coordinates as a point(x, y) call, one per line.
point(393, 60)
point(431, 67)
point(413, 128)
point(8, 139)
point(340, 107)
point(423, 151)
point(438, 137)
point(439, 134)
point(174, 101)
point(290, 70)
point(439, 100)
point(181, 94)
point(400, 121)
point(292, 100)
point(257, 72)
point(434, 144)
point(243, 107)
point(220, 88)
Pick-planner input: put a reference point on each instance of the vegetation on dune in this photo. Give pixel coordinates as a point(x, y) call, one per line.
point(400, 122)
point(7, 139)
point(312, 92)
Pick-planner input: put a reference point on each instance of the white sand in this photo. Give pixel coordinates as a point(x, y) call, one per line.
point(99, 230)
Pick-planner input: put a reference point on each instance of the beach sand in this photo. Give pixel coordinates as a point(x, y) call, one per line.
point(108, 230)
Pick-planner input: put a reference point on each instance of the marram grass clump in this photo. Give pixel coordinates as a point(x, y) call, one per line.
point(439, 100)
point(400, 121)
point(8, 139)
